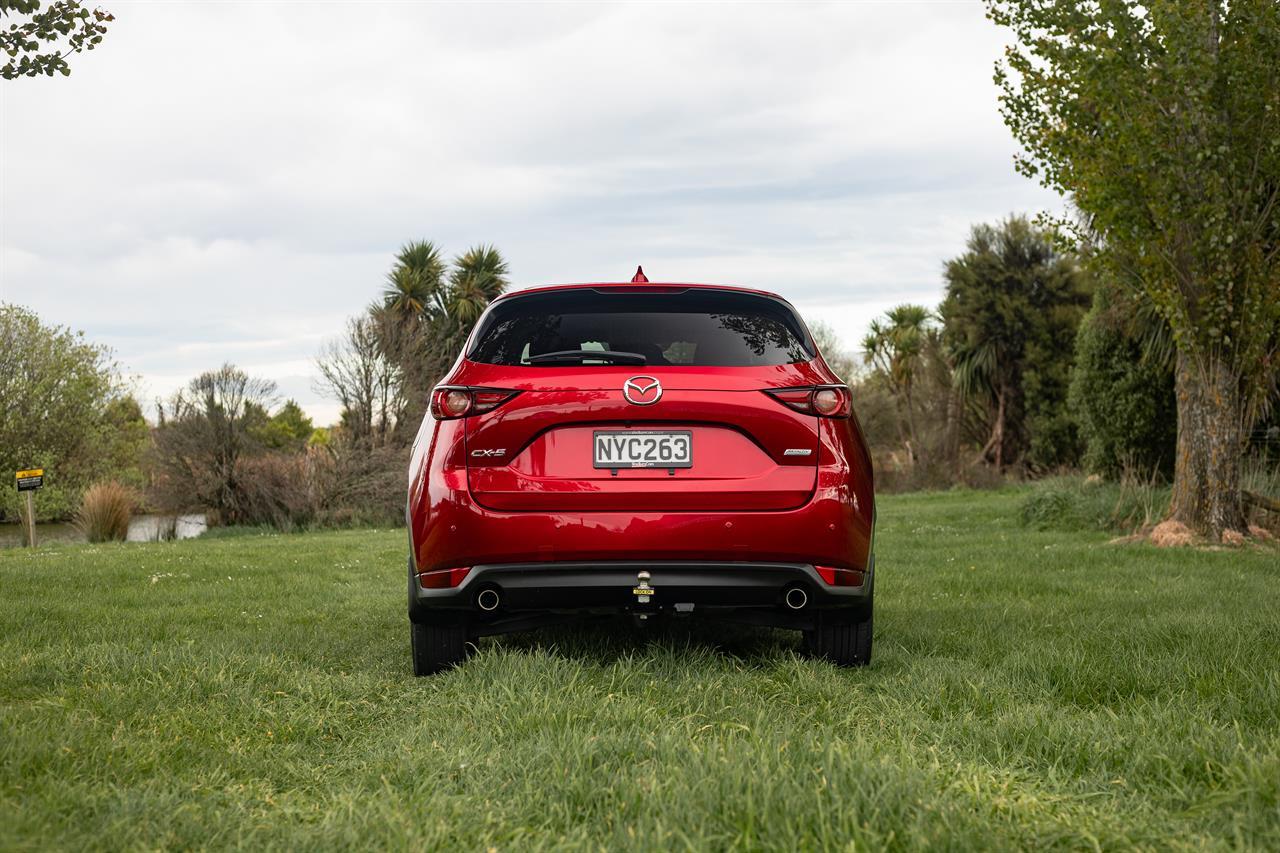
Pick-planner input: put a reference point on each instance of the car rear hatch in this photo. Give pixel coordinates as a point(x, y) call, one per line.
point(589, 435)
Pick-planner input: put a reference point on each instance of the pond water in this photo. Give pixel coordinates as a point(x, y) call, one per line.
point(142, 528)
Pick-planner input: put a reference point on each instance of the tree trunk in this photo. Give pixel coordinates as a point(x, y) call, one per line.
point(916, 455)
point(997, 431)
point(953, 425)
point(1206, 474)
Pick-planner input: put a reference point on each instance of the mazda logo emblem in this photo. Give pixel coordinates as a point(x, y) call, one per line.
point(642, 390)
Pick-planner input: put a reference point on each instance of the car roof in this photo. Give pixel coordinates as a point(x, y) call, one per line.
point(635, 287)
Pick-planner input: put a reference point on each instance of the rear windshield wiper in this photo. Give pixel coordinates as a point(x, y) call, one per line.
point(579, 355)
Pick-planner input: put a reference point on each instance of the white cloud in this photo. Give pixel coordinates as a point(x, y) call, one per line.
point(228, 181)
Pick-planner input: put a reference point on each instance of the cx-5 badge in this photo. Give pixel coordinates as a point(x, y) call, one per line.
point(642, 390)
point(497, 451)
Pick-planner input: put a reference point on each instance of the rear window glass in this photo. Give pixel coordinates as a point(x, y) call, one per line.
point(693, 327)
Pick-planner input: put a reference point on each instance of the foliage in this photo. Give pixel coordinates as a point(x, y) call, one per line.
point(203, 434)
point(414, 282)
point(105, 511)
point(63, 407)
point(289, 429)
point(478, 277)
point(124, 442)
point(1162, 121)
point(423, 321)
point(897, 346)
point(1121, 394)
point(1030, 690)
point(33, 45)
point(1012, 306)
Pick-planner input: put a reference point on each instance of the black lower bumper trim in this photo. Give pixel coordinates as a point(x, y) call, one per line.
point(612, 587)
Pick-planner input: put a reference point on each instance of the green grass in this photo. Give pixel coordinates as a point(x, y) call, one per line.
point(1029, 689)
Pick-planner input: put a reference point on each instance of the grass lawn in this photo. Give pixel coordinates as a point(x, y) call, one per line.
point(1028, 689)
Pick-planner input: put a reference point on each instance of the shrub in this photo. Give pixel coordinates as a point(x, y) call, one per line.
point(104, 512)
point(357, 485)
point(1123, 401)
point(275, 489)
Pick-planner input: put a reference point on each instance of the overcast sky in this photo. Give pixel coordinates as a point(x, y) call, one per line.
point(228, 181)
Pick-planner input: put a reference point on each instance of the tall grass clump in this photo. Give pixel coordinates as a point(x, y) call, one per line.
point(1132, 504)
point(104, 512)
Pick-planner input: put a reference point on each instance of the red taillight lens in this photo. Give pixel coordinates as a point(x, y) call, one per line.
point(827, 401)
point(840, 577)
point(456, 401)
point(453, 403)
point(444, 578)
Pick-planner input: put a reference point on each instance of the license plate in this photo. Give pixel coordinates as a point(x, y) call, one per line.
point(634, 448)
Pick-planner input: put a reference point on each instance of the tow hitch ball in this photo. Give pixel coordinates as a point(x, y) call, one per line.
point(643, 591)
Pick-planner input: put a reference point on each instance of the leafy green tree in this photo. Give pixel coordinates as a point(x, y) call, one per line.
point(1162, 122)
point(288, 429)
point(896, 346)
point(63, 407)
point(1012, 307)
point(1122, 387)
point(126, 435)
point(35, 44)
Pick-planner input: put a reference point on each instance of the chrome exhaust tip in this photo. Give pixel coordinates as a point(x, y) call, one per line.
point(488, 599)
point(796, 598)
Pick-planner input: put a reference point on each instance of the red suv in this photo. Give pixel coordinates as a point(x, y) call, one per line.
point(640, 449)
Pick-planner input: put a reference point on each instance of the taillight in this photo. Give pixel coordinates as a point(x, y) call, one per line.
point(460, 401)
point(826, 401)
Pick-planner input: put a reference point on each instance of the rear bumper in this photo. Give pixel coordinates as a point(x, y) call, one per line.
point(832, 529)
point(610, 587)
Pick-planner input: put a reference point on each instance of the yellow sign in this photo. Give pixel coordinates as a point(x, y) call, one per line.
point(34, 472)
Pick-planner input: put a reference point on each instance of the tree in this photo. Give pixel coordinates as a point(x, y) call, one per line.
point(478, 277)
point(288, 429)
point(1122, 386)
point(62, 407)
point(1162, 121)
point(1012, 307)
point(896, 346)
point(415, 281)
point(357, 372)
point(33, 45)
point(426, 313)
point(203, 434)
point(833, 351)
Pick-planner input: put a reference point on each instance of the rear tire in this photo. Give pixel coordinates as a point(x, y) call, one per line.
point(437, 647)
point(842, 637)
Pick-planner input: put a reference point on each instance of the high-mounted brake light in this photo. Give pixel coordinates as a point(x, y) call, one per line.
point(460, 401)
point(826, 401)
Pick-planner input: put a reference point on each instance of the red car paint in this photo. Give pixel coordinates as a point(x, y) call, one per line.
point(516, 484)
